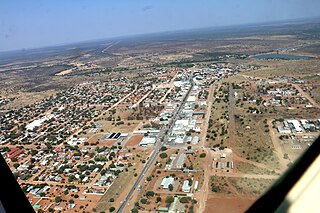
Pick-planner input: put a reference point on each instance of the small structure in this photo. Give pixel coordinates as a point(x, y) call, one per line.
point(222, 165)
point(195, 187)
point(195, 140)
point(163, 209)
point(185, 186)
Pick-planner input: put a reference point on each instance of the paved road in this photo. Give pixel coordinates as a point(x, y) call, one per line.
point(163, 133)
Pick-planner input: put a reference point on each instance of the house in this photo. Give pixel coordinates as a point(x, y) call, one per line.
point(185, 186)
point(166, 182)
point(195, 140)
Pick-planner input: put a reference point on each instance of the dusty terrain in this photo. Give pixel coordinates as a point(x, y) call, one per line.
point(244, 128)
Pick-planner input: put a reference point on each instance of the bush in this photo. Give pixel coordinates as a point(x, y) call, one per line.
point(144, 201)
point(169, 199)
point(163, 155)
point(134, 210)
point(184, 200)
point(150, 194)
point(163, 148)
point(111, 209)
point(215, 189)
point(58, 199)
point(203, 155)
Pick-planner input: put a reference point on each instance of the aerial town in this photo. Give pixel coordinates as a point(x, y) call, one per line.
point(152, 144)
point(172, 123)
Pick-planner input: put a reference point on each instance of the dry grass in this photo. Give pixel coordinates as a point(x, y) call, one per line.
point(250, 186)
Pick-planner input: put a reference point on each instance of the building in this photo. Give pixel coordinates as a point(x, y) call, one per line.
point(195, 140)
point(14, 153)
point(37, 123)
point(195, 187)
point(146, 131)
point(296, 125)
point(283, 130)
point(185, 186)
point(163, 209)
point(222, 166)
point(147, 141)
point(180, 161)
point(166, 182)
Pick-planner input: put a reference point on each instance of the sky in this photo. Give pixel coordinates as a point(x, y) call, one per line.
point(37, 23)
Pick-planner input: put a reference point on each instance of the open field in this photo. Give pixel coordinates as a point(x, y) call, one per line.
point(232, 204)
point(134, 140)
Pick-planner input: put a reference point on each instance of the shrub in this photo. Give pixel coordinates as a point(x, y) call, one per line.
point(203, 155)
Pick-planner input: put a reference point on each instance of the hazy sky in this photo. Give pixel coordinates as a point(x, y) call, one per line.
point(37, 23)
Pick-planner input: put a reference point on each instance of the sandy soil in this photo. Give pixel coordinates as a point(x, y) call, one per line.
point(228, 204)
point(134, 140)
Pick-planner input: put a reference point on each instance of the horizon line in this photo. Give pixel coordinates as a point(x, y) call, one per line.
point(257, 24)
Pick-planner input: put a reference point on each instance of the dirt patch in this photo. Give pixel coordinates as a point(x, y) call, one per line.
point(109, 142)
point(228, 204)
point(134, 140)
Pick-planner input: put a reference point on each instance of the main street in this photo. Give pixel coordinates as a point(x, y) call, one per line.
point(161, 140)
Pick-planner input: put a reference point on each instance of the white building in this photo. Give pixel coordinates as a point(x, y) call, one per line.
point(185, 186)
point(166, 182)
point(296, 125)
point(38, 122)
point(148, 140)
point(284, 130)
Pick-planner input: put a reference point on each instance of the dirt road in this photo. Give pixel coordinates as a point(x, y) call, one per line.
point(278, 149)
point(208, 114)
point(307, 96)
point(205, 186)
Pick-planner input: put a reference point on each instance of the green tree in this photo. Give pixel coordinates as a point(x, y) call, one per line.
point(150, 194)
point(111, 209)
point(134, 210)
point(144, 201)
point(58, 199)
point(158, 199)
point(203, 155)
point(184, 200)
point(163, 148)
point(169, 199)
point(163, 155)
